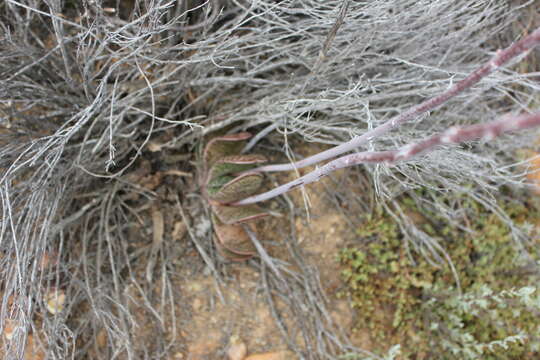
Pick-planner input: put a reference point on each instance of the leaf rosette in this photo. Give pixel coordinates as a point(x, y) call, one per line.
point(227, 178)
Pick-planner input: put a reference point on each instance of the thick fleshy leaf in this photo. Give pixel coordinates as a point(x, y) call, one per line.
point(234, 189)
point(229, 255)
point(222, 146)
point(216, 184)
point(234, 238)
point(236, 214)
point(234, 164)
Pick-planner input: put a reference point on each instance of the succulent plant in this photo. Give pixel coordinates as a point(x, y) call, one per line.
point(227, 179)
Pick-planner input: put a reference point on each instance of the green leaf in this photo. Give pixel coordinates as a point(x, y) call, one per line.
point(229, 255)
point(216, 184)
point(222, 185)
point(222, 146)
point(234, 164)
point(233, 238)
point(235, 189)
point(236, 214)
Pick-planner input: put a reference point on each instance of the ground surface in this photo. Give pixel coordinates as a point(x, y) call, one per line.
point(215, 314)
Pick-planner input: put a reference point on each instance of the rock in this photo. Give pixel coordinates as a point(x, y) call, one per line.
point(237, 351)
point(277, 355)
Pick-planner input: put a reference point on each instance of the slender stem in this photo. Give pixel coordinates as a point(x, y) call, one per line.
point(453, 135)
point(501, 57)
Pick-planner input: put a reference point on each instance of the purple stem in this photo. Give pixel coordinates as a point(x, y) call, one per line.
point(486, 131)
point(501, 57)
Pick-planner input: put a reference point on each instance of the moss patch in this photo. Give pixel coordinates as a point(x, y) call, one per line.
point(403, 299)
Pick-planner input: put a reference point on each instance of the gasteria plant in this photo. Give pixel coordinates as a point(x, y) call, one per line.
point(231, 179)
point(227, 178)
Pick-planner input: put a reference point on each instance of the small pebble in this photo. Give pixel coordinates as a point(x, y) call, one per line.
point(277, 355)
point(237, 351)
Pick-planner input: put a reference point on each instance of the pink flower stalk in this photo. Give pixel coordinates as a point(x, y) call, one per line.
point(453, 135)
point(501, 57)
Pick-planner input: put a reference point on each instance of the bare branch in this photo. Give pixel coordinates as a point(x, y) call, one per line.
point(500, 58)
point(456, 134)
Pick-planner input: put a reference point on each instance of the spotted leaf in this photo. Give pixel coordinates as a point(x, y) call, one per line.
point(234, 164)
point(222, 146)
point(227, 189)
point(236, 214)
point(233, 238)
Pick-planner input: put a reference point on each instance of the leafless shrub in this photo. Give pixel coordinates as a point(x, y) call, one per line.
point(85, 86)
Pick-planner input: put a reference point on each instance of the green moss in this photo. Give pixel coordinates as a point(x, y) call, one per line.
point(403, 299)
